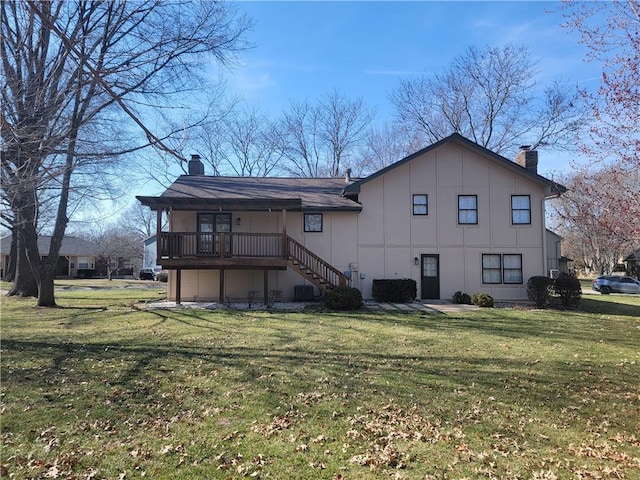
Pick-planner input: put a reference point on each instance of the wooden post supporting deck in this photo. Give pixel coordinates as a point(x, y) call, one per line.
point(266, 286)
point(284, 233)
point(221, 293)
point(178, 286)
point(158, 236)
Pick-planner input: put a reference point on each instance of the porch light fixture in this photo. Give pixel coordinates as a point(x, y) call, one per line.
point(238, 221)
point(416, 261)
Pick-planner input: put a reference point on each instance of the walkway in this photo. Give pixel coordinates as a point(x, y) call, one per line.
point(430, 306)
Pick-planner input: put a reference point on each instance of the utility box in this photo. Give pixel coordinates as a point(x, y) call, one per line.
point(303, 293)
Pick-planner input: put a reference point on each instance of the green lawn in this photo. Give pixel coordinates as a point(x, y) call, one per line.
point(103, 389)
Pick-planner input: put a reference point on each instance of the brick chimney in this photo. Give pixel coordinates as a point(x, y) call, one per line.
point(527, 158)
point(196, 167)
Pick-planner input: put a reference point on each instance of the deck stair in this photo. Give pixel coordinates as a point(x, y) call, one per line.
point(313, 268)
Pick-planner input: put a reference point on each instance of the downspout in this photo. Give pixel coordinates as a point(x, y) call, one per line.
point(545, 272)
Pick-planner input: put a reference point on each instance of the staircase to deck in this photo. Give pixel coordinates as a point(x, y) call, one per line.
point(313, 268)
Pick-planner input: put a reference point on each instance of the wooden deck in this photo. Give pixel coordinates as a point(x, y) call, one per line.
point(244, 251)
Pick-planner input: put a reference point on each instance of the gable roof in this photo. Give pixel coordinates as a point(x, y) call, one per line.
point(254, 193)
point(553, 188)
point(70, 246)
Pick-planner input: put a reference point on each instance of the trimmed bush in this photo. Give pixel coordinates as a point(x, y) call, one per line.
point(539, 290)
point(394, 290)
point(482, 300)
point(86, 273)
point(343, 298)
point(461, 298)
point(568, 291)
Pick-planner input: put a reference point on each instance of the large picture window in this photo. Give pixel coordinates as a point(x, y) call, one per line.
point(420, 204)
point(468, 209)
point(313, 222)
point(521, 209)
point(502, 268)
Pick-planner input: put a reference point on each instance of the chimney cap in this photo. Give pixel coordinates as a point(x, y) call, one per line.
point(525, 147)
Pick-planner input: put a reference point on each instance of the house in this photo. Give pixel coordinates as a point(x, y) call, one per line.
point(556, 262)
point(453, 216)
point(75, 254)
point(150, 253)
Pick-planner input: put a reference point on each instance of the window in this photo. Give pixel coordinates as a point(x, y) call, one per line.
point(83, 262)
point(491, 269)
point(312, 222)
point(420, 204)
point(497, 268)
point(512, 268)
point(468, 209)
point(521, 209)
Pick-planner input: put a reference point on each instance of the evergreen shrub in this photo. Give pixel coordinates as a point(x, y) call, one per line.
point(394, 290)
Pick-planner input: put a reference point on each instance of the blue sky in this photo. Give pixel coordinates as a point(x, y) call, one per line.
point(363, 49)
point(305, 49)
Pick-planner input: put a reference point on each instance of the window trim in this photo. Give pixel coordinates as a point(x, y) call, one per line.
point(460, 210)
point(304, 222)
point(425, 204)
point(514, 210)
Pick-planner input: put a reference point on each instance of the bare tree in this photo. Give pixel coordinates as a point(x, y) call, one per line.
point(248, 146)
point(139, 220)
point(599, 228)
point(118, 246)
point(71, 66)
point(300, 140)
point(488, 95)
point(319, 139)
point(383, 146)
point(343, 125)
point(611, 32)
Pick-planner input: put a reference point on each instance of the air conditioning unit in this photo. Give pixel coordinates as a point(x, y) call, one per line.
point(303, 293)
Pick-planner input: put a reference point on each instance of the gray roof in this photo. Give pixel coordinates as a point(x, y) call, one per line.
point(203, 192)
point(70, 246)
point(257, 193)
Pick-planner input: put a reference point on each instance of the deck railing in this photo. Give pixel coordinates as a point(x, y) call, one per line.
point(220, 245)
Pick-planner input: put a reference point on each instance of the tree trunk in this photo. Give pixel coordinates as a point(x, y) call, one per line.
point(24, 282)
point(46, 294)
point(10, 273)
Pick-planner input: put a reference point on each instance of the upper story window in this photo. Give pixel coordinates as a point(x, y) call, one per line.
point(313, 222)
point(468, 209)
point(521, 209)
point(421, 204)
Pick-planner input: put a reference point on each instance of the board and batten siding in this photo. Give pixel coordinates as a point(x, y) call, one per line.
point(390, 236)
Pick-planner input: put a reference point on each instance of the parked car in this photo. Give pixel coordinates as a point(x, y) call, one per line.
point(147, 274)
point(162, 275)
point(616, 284)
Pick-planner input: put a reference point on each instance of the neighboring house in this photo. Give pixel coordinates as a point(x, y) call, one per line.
point(75, 254)
point(453, 216)
point(632, 264)
point(556, 262)
point(150, 253)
